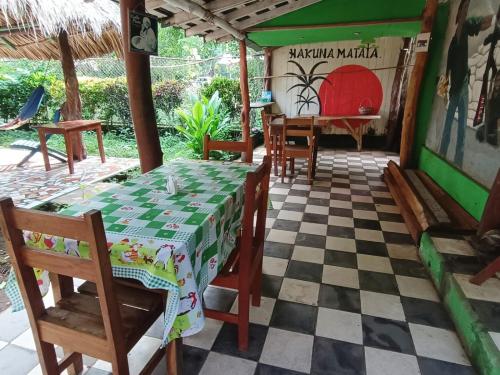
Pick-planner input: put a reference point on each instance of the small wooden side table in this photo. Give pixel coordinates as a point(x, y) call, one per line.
point(67, 129)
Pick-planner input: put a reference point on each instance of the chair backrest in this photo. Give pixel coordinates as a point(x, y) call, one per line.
point(228, 146)
point(32, 105)
point(97, 269)
point(298, 126)
point(266, 128)
point(256, 203)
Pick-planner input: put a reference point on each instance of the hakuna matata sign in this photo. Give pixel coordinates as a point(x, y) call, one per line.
point(369, 51)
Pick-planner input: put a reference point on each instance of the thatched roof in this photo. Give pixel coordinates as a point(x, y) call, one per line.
point(29, 28)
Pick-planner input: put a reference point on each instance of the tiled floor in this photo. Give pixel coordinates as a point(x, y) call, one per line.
point(31, 185)
point(343, 290)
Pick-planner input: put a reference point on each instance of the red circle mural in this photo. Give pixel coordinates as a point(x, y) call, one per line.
point(346, 89)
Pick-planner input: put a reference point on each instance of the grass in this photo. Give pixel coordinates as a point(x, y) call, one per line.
point(115, 144)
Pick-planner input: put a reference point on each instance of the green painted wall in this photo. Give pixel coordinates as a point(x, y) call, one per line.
point(338, 11)
point(468, 193)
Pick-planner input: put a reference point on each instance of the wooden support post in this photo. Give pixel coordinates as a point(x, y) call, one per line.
point(268, 68)
point(140, 95)
point(245, 101)
point(409, 117)
point(491, 214)
point(398, 96)
point(72, 108)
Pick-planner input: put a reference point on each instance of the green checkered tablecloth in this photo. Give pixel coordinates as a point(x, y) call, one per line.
point(175, 242)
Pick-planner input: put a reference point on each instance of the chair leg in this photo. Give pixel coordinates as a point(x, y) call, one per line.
point(257, 286)
point(27, 157)
point(283, 167)
point(243, 317)
point(292, 166)
point(47, 357)
point(119, 364)
point(309, 169)
point(77, 366)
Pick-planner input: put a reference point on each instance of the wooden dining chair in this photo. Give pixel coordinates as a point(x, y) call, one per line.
point(228, 146)
point(106, 327)
point(299, 127)
point(271, 141)
point(243, 269)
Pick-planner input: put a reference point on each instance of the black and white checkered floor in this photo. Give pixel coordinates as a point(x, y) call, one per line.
point(343, 290)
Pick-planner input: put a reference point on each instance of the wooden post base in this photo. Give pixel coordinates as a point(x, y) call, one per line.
point(489, 271)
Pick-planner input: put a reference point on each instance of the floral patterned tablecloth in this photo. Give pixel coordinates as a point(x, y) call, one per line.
point(177, 242)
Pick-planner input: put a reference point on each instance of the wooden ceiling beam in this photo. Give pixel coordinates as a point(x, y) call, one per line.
point(216, 7)
point(255, 20)
point(249, 10)
point(201, 12)
point(152, 5)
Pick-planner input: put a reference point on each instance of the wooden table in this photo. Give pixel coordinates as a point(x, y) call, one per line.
point(323, 121)
point(67, 129)
point(319, 123)
point(147, 228)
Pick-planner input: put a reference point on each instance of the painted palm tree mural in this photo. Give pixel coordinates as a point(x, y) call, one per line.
point(307, 94)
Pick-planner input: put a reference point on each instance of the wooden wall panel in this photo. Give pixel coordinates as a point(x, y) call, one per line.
point(335, 54)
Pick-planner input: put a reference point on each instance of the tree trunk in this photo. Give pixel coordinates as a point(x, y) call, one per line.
point(411, 105)
point(245, 101)
point(398, 96)
point(140, 95)
point(72, 108)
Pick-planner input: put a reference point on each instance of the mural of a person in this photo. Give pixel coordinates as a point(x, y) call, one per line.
point(491, 91)
point(457, 74)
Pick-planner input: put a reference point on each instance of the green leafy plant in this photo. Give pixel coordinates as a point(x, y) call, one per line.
point(205, 117)
point(118, 98)
point(14, 92)
point(167, 95)
point(229, 91)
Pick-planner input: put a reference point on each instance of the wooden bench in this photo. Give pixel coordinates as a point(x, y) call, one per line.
point(424, 205)
point(490, 221)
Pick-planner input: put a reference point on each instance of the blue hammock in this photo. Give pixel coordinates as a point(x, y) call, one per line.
point(34, 147)
point(28, 110)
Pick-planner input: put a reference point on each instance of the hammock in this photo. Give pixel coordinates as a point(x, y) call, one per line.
point(28, 111)
point(34, 147)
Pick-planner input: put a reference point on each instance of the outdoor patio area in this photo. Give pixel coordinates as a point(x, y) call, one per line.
point(251, 187)
point(30, 185)
point(344, 291)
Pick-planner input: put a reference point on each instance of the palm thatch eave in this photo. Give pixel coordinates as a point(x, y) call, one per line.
point(29, 28)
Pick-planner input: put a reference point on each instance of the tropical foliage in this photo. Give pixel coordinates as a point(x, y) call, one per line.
point(167, 95)
point(229, 91)
point(102, 98)
point(207, 116)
